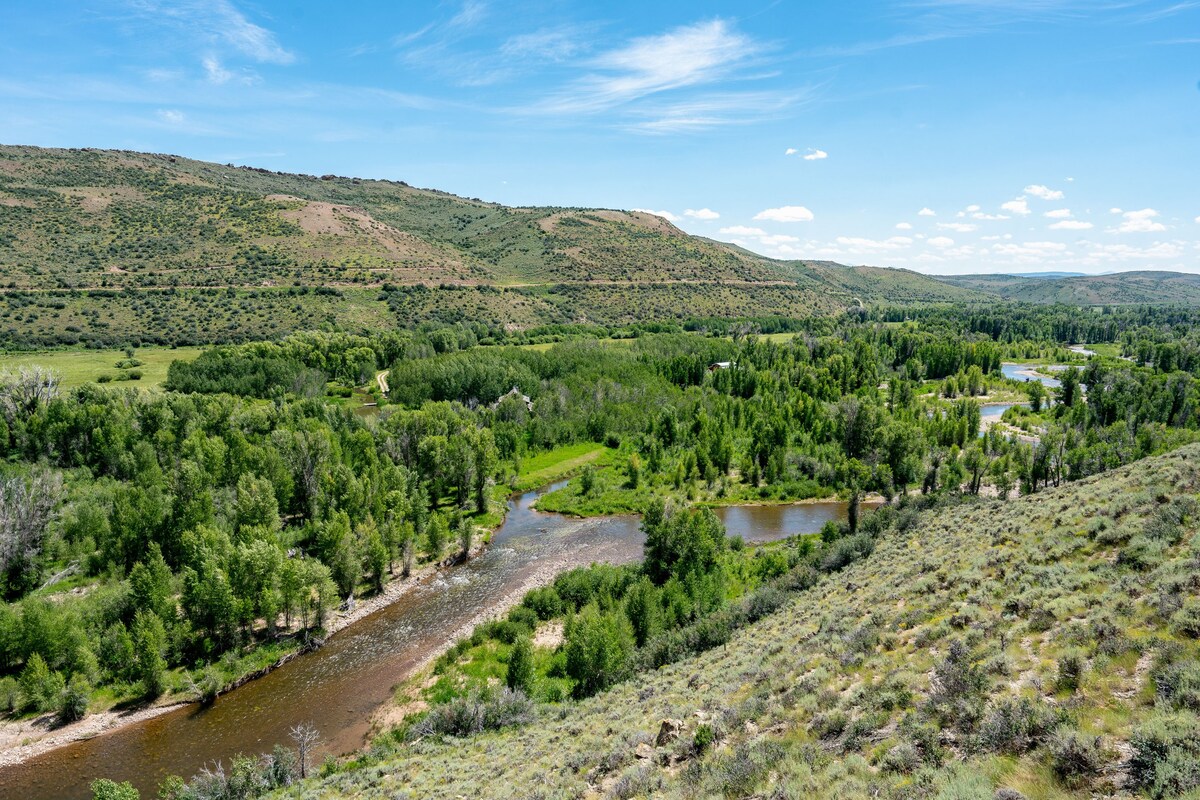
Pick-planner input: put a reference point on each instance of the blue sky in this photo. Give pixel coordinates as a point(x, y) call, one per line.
point(940, 135)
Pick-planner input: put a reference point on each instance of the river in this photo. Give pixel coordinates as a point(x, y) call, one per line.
point(1026, 372)
point(339, 686)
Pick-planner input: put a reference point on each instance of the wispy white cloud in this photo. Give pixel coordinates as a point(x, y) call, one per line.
point(941, 241)
point(904, 226)
point(959, 227)
point(815, 155)
point(1139, 222)
point(742, 230)
point(927, 212)
point(215, 72)
point(1058, 213)
point(687, 57)
point(701, 213)
point(1043, 192)
point(791, 151)
point(548, 44)
point(1071, 225)
point(170, 116)
point(710, 110)
point(785, 214)
point(217, 22)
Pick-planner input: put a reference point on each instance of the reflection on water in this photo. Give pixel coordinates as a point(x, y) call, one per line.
point(1027, 372)
point(339, 686)
point(990, 414)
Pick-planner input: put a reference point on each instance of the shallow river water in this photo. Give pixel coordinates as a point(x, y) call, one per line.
point(337, 687)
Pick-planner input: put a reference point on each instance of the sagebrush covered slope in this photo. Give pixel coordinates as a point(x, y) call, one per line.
point(84, 231)
point(1045, 646)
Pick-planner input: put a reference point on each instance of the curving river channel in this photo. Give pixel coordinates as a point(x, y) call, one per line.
point(338, 687)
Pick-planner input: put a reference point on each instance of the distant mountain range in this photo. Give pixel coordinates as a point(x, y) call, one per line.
point(1119, 288)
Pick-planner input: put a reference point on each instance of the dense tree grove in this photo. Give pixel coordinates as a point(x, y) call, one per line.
point(241, 505)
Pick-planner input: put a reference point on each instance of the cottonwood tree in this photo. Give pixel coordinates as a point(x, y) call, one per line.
point(24, 392)
point(26, 509)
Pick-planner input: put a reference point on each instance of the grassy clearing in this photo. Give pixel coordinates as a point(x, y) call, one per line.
point(77, 367)
point(558, 463)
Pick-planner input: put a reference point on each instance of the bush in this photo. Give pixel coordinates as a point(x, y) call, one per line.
point(846, 551)
point(1071, 667)
point(959, 687)
point(767, 600)
point(1178, 685)
point(597, 647)
point(10, 694)
point(1166, 754)
point(1017, 726)
point(1187, 619)
point(1076, 758)
point(544, 602)
point(904, 758)
point(525, 617)
point(520, 673)
point(475, 714)
point(73, 700)
point(104, 789)
point(703, 738)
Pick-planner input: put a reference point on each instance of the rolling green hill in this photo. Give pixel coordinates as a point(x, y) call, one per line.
point(99, 246)
point(1123, 288)
point(1044, 648)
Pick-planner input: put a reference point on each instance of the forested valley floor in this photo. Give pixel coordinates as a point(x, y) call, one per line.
point(1018, 614)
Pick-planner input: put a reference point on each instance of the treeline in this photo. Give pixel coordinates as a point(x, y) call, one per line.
point(204, 525)
point(1020, 322)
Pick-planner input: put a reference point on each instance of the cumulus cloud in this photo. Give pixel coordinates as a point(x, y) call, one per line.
point(1034, 250)
point(859, 244)
point(926, 212)
point(1198, 220)
point(960, 227)
point(1018, 206)
point(785, 214)
point(1043, 192)
point(701, 213)
point(815, 155)
point(1140, 222)
point(1071, 225)
point(743, 230)
point(971, 209)
point(983, 216)
point(667, 215)
point(1115, 211)
point(941, 241)
point(170, 116)
point(791, 151)
point(776, 239)
point(1059, 213)
point(907, 226)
